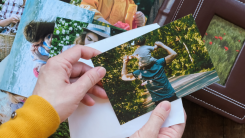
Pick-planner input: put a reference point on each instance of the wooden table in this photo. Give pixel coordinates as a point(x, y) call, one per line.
point(201, 122)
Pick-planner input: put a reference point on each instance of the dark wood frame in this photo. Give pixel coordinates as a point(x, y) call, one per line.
point(228, 100)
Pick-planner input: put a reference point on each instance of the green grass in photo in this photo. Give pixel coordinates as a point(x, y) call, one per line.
point(224, 41)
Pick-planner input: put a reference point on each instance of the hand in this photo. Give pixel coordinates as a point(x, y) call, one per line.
point(64, 82)
point(155, 47)
point(152, 129)
point(126, 59)
point(33, 49)
point(139, 18)
point(14, 18)
point(39, 56)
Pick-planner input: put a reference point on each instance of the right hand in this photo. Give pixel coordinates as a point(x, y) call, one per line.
point(152, 129)
point(14, 19)
point(33, 49)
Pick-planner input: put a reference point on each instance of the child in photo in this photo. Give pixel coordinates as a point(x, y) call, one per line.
point(39, 34)
point(151, 71)
point(112, 11)
point(91, 34)
point(10, 15)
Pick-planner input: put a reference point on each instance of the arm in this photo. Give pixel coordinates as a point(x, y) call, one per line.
point(125, 75)
point(12, 19)
point(172, 54)
point(27, 122)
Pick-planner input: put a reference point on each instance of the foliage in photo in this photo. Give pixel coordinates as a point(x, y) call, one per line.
point(65, 32)
point(129, 98)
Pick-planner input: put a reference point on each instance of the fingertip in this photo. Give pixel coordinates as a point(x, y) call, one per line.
point(87, 100)
point(101, 71)
point(166, 105)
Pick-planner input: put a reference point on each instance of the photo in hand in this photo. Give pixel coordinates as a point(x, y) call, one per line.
point(165, 64)
point(67, 33)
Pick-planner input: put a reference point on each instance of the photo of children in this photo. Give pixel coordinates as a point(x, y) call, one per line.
point(39, 34)
point(68, 33)
point(165, 64)
point(31, 46)
point(116, 12)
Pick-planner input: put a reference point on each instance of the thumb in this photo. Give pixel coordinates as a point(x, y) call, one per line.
point(157, 118)
point(88, 80)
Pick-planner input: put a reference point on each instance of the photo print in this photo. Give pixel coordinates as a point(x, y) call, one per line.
point(224, 41)
point(118, 13)
point(68, 33)
point(165, 64)
point(32, 43)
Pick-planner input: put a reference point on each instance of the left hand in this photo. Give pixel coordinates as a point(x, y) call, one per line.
point(139, 18)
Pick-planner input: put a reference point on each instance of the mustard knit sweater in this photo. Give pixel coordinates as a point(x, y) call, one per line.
point(36, 119)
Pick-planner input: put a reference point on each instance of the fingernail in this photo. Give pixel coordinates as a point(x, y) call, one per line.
point(101, 72)
point(165, 105)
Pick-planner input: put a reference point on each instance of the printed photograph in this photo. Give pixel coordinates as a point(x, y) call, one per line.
point(32, 43)
point(9, 103)
point(224, 41)
point(126, 14)
point(165, 64)
point(68, 33)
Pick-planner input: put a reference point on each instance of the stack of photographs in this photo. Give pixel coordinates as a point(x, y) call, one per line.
point(165, 64)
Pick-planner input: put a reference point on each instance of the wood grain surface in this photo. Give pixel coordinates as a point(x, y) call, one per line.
point(201, 122)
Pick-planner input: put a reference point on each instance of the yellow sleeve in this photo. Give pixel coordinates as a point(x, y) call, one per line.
point(36, 119)
point(92, 5)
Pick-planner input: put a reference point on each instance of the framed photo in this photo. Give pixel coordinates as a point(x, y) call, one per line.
point(222, 26)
